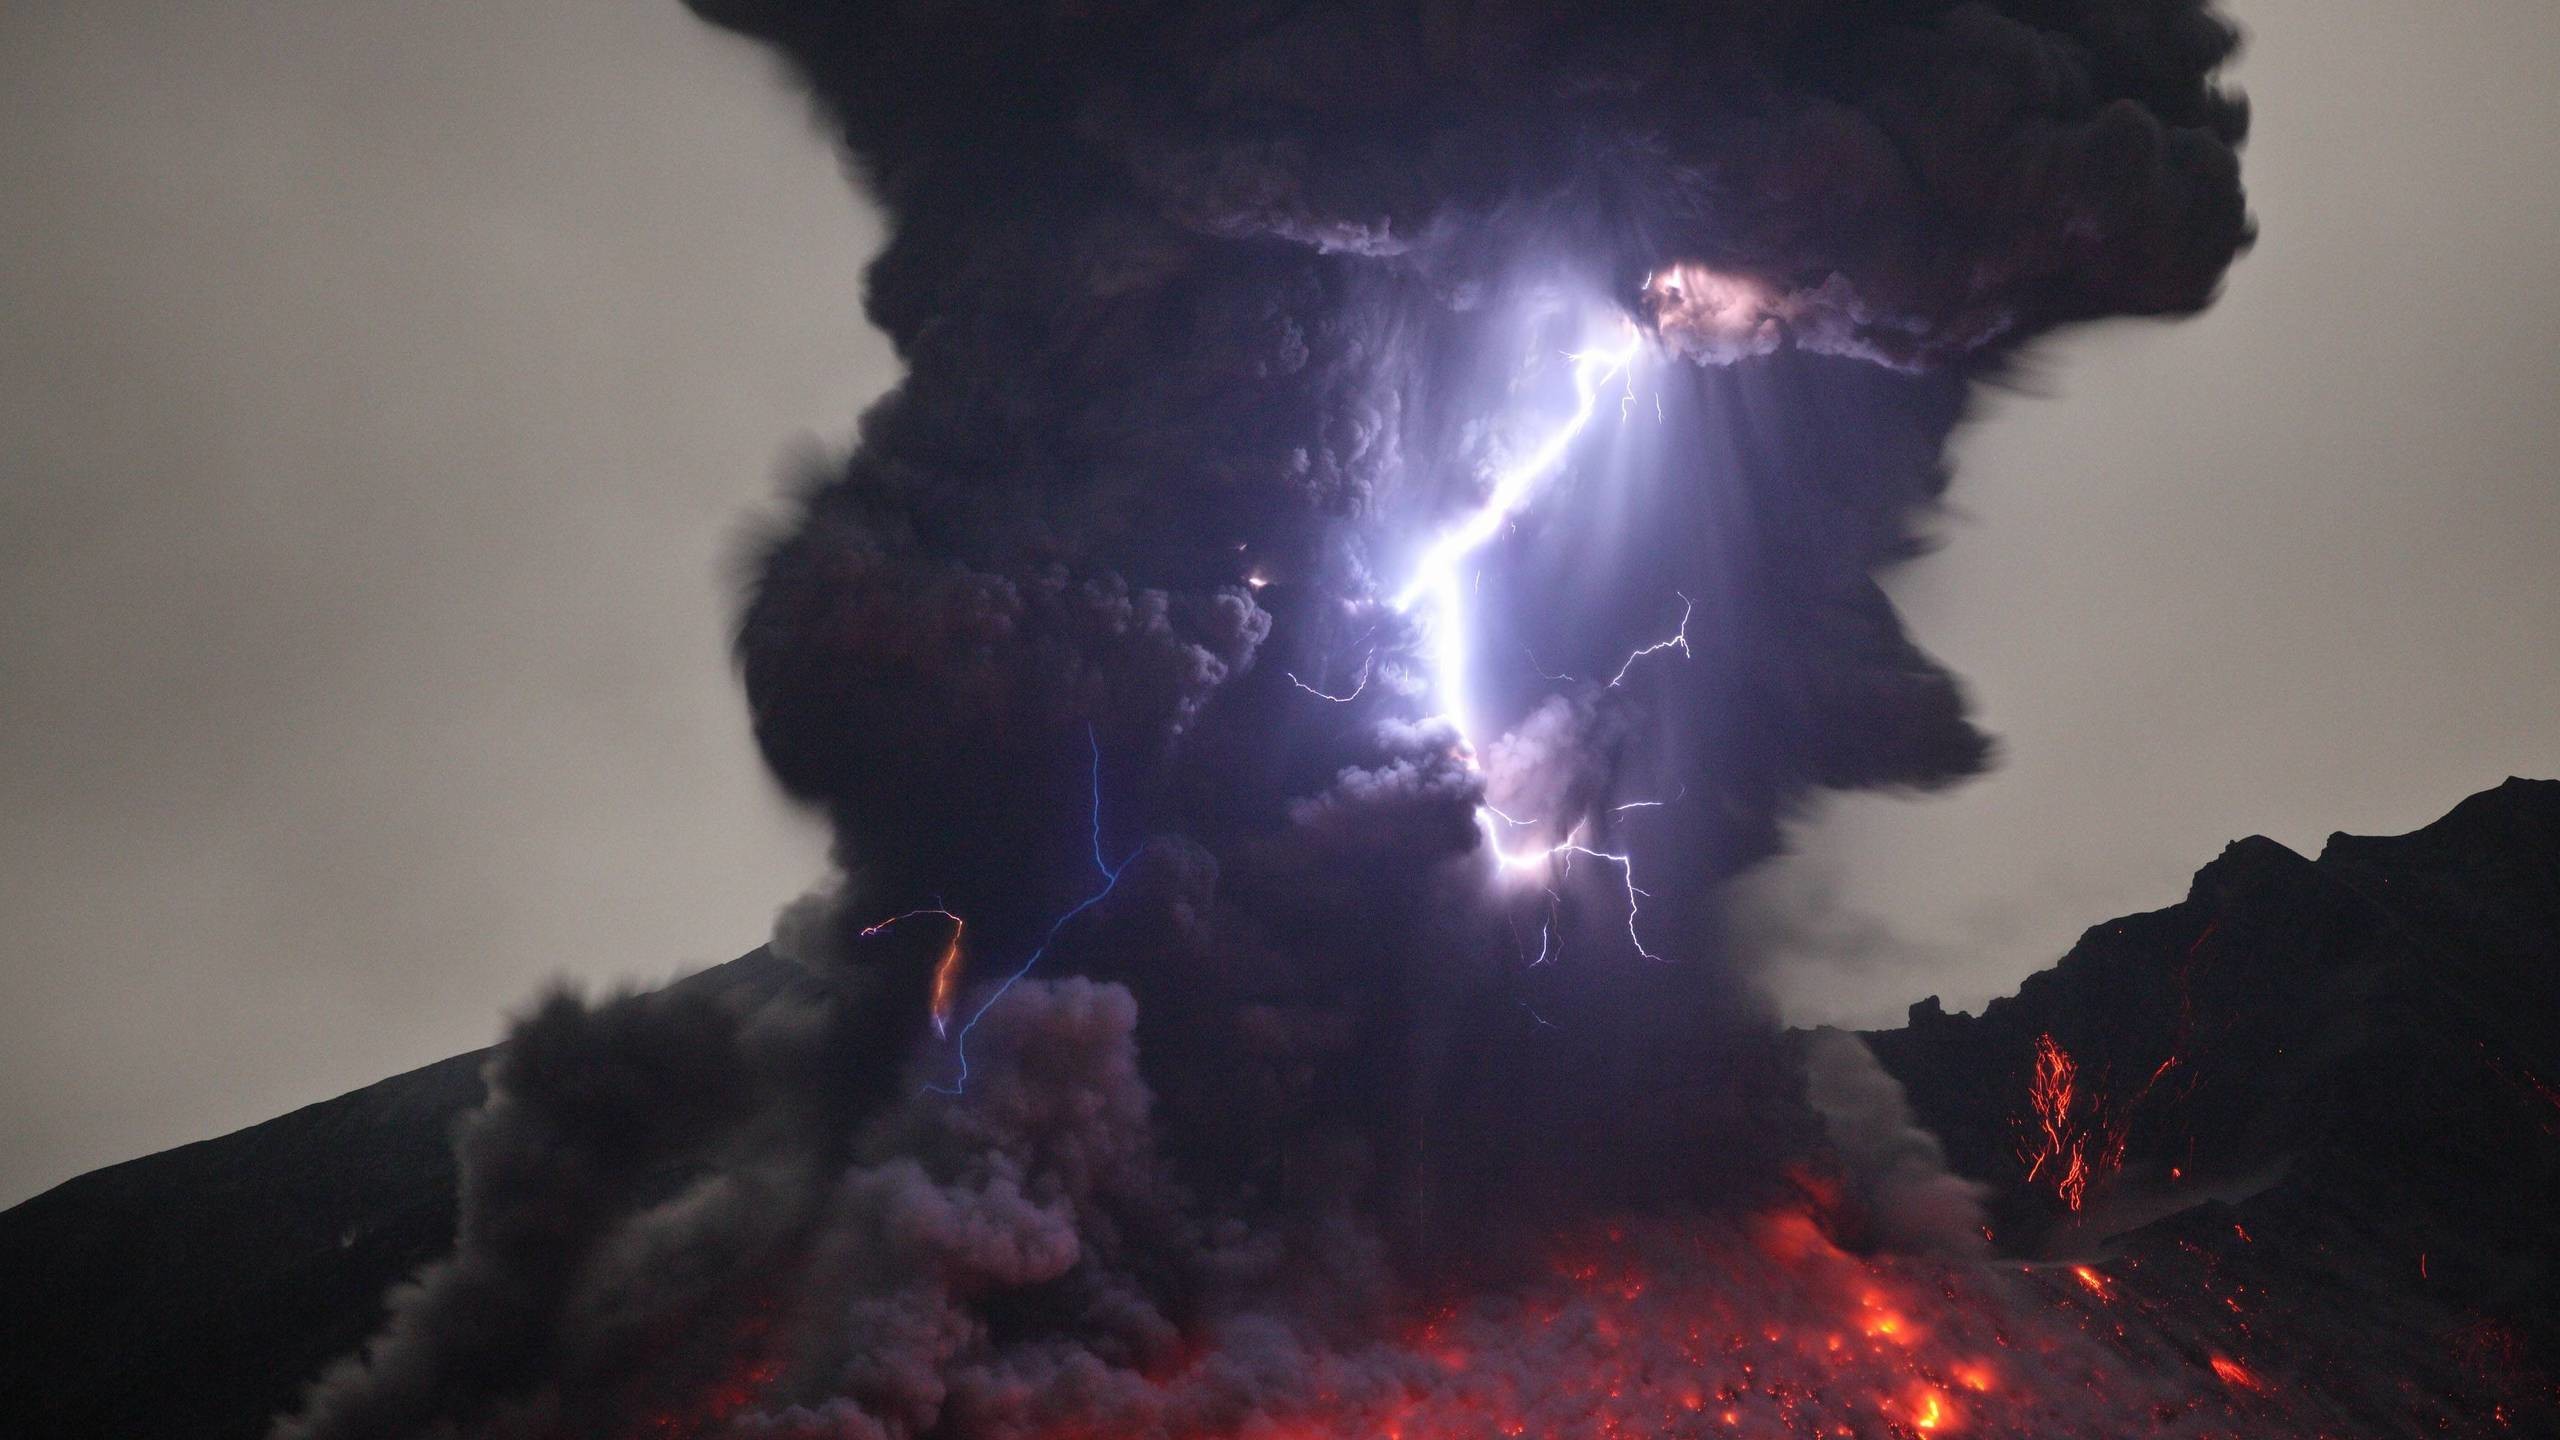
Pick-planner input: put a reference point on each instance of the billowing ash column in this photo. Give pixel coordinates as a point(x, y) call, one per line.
point(1379, 521)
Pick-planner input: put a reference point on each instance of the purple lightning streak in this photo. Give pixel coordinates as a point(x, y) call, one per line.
point(1679, 642)
point(1358, 687)
point(1110, 880)
point(1443, 584)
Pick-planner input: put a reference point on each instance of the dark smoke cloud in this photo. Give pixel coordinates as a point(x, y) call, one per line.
point(1212, 314)
point(1912, 1203)
point(1191, 291)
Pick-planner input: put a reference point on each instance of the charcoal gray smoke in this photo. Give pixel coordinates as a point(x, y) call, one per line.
point(1910, 1201)
point(1213, 314)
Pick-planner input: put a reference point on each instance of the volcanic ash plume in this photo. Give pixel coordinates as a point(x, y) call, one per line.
point(1380, 520)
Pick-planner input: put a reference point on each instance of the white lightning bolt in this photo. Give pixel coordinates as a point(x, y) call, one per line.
point(1356, 689)
point(1438, 592)
point(1443, 584)
point(1679, 642)
point(1627, 870)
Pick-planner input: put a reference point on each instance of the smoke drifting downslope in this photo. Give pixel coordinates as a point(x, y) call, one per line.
point(1214, 316)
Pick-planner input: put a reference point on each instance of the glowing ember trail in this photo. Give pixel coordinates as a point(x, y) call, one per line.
point(946, 971)
point(2067, 1139)
point(2234, 1373)
point(2052, 1143)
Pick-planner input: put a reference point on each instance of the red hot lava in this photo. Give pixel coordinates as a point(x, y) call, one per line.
point(1667, 1330)
point(2070, 1137)
point(1757, 1329)
point(2064, 1140)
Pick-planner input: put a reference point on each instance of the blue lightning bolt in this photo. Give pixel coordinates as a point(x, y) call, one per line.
point(1110, 879)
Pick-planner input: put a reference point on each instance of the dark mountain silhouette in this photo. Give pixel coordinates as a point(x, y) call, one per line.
point(2315, 1109)
point(2320, 1108)
point(195, 1292)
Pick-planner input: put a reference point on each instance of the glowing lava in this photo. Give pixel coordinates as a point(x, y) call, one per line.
point(1673, 1330)
point(1676, 1327)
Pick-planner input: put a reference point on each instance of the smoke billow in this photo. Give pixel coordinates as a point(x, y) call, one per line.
point(1214, 314)
point(1913, 1203)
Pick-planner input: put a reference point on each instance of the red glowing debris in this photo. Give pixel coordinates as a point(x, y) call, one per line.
point(2235, 1374)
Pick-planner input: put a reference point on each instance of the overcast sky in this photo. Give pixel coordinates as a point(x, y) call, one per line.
point(384, 389)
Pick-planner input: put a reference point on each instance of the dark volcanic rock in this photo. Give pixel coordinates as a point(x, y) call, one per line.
point(2318, 1096)
point(193, 1293)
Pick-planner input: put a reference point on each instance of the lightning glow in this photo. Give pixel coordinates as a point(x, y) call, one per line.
point(1440, 597)
point(1110, 874)
point(1679, 641)
point(1444, 585)
point(1439, 591)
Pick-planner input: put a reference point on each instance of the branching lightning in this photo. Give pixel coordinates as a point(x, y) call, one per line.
point(1626, 869)
point(1679, 641)
point(1440, 588)
point(1110, 874)
point(1439, 596)
point(1445, 582)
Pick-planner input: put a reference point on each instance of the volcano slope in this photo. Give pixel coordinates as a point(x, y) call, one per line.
point(2299, 1131)
point(2303, 1126)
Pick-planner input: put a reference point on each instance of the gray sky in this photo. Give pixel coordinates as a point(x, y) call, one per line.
point(384, 388)
point(383, 392)
point(2288, 569)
